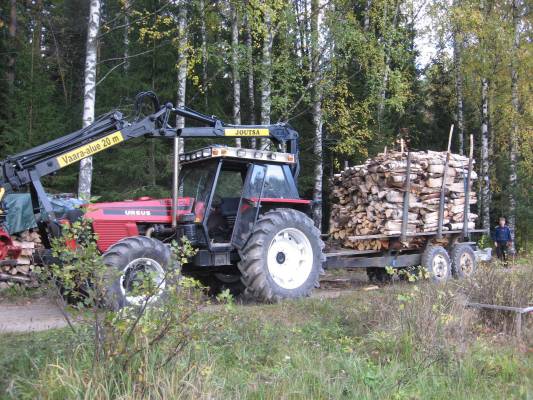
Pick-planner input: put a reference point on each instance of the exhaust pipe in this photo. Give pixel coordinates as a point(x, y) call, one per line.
point(175, 182)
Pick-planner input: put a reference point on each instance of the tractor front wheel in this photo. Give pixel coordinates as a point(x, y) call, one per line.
point(283, 257)
point(131, 262)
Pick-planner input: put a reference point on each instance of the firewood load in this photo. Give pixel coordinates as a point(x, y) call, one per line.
point(368, 199)
point(21, 272)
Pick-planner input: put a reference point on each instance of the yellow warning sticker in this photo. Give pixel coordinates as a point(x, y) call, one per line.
point(246, 132)
point(89, 149)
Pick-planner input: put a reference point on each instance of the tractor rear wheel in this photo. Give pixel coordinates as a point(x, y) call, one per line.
point(131, 262)
point(283, 257)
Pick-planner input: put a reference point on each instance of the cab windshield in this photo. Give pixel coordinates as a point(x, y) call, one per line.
point(196, 181)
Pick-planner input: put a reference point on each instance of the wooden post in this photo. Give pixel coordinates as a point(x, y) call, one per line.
point(443, 187)
point(405, 213)
point(467, 191)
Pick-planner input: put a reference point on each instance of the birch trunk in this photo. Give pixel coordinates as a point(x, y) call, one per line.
point(126, 38)
point(317, 115)
point(385, 79)
point(250, 67)
point(368, 7)
point(12, 32)
point(266, 101)
point(485, 135)
point(89, 96)
point(513, 148)
point(182, 67)
point(458, 71)
point(235, 69)
point(203, 34)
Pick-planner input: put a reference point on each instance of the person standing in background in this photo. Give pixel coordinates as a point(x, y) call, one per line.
point(502, 238)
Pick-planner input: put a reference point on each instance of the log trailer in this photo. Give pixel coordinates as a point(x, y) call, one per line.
point(239, 207)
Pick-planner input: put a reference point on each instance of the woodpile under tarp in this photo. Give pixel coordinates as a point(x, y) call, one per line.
point(369, 198)
point(20, 271)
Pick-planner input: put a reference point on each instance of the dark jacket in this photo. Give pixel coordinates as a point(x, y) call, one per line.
point(502, 234)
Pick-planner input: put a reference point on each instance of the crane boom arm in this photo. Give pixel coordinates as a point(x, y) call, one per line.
point(28, 167)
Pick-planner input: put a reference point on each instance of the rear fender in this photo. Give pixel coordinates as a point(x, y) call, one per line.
point(7, 248)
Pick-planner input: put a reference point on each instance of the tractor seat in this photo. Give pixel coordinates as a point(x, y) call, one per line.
point(229, 206)
point(228, 209)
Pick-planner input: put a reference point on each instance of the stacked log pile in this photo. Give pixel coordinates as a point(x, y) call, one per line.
point(20, 271)
point(368, 199)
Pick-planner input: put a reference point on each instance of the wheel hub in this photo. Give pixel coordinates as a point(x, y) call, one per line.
point(135, 273)
point(466, 264)
point(290, 258)
point(440, 266)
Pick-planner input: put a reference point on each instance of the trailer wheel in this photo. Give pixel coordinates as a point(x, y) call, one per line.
point(283, 257)
point(463, 260)
point(129, 261)
point(436, 260)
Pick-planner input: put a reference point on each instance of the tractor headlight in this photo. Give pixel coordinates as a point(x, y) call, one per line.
point(198, 154)
point(258, 154)
point(206, 152)
point(241, 153)
point(182, 158)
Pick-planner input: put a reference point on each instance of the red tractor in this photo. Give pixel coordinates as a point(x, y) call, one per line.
point(239, 207)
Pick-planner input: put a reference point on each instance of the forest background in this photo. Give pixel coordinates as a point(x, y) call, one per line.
point(347, 74)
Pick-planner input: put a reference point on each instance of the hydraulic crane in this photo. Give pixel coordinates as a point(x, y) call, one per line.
point(224, 200)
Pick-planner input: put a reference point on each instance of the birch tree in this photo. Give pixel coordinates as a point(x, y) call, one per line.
point(457, 66)
point(386, 66)
point(250, 72)
point(182, 70)
point(203, 50)
point(89, 96)
point(513, 148)
point(12, 33)
point(266, 101)
point(236, 78)
point(485, 138)
point(126, 39)
point(317, 114)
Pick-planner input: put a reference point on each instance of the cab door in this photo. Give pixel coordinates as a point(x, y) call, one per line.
point(249, 205)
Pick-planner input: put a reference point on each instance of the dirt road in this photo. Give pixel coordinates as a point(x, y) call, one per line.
point(32, 315)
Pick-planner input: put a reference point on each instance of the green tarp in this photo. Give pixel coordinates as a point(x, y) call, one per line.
point(19, 213)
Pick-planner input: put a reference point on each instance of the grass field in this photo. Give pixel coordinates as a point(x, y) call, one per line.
point(406, 341)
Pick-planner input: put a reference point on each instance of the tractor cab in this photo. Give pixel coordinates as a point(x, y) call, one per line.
point(229, 187)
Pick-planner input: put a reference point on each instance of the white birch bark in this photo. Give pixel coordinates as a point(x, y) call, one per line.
point(485, 135)
point(89, 96)
point(126, 39)
point(12, 33)
point(266, 101)
point(203, 49)
point(235, 68)
point(366, 23)
point(386, 69)
point(513, 148)
point(458, 72)
point(182, 67)
point(250, 68)
point(317, 115)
